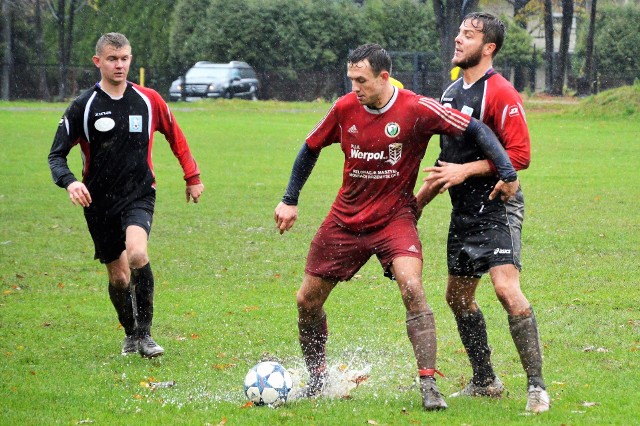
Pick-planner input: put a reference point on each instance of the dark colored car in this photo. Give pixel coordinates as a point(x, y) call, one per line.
point(208, 80)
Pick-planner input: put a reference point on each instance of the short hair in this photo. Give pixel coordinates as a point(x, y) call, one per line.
point(378, 58)
point(117, 40)
point(493, 29)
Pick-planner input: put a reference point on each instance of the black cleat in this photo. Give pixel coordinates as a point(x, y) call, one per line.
point(130, 345)
point(148, 348)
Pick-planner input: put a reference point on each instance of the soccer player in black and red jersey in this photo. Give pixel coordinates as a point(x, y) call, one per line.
point(383, 132)
point(114, 123)
point(484, 236)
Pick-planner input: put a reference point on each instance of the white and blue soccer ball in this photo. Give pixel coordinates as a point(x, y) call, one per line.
point(267, 383)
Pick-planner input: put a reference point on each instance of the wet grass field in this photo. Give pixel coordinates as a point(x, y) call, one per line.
point(226, 282)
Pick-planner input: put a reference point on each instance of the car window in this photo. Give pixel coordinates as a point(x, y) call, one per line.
point(208, 72)
point(247, 73)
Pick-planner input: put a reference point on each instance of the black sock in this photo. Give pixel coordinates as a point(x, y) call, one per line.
point(524, 331)
point(143, 285)
point(473, 333)
point(121, 299)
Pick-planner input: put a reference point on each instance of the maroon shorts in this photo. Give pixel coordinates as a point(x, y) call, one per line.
point(336, 253)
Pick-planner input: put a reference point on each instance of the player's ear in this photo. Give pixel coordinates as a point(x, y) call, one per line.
point(96, 60)
point(384, 75)
point(489, 48)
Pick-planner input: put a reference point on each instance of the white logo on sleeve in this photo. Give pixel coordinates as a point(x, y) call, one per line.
point(104, 124)
point(502, 251)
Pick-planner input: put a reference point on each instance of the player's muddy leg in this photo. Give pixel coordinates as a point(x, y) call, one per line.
point(313, 331)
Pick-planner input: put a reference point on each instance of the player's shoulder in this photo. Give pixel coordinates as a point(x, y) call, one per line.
point(147, 91)
point(501, 85)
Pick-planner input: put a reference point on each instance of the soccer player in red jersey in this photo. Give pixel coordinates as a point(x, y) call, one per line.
point(114, 123)
point(383, 132)
point(484, 236)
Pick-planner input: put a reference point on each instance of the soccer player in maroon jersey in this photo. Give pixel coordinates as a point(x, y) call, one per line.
point(383, 132)
point(114, 123)
point(484, 236)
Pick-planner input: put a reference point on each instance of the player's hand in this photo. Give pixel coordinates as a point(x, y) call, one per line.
point(507, 190)
point(445, 175)
point(285, 216)
point(194, 191)
point(79, 194)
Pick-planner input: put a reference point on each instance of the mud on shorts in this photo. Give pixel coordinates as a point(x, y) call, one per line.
point(337, 253)
point(108, 232)
point(480, 240)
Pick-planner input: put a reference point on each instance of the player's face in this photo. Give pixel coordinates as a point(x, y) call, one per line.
point(470, 45)
point(368, 87)
point(114, 64)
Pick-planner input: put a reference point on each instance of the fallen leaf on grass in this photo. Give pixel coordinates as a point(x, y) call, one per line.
point(251, 308)
point(372, 422)
point(223, 366)
point(137, 396)
point(589, 404)
point(247, 404)
point(194, 336)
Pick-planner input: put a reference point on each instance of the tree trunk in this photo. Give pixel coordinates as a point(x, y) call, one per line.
point(588, 63)
point(62, 64)
point(43, 87)
point(563, 50)
point(7, 63)
point(548, 45)
point(519, 79)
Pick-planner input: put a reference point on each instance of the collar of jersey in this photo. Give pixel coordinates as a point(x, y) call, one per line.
point(386, 107)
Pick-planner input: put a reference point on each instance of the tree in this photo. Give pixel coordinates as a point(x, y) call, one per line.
point(520, 17)
point(560, 66)
point(64, 15)
point(7, 57)
point(588, 63)
point(548, 45)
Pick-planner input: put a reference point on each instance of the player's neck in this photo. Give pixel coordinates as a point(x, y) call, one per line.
point(114, 90)
point(473, 74)
point(384, 99)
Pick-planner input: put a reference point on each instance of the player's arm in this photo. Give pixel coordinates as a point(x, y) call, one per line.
point(427, 192)
point(63, 141)
point(168, 126)
point(286, 211)
point(493, 149)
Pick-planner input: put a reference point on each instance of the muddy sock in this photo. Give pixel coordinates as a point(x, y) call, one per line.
point(121, 299)
point(473, 333)
point(524, 331)
point(143, 285)
point(421, 329)
point(313, 341)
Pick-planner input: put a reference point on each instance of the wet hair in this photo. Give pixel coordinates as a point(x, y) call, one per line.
point(378, 58)
point(493, 29)
point(117, 40)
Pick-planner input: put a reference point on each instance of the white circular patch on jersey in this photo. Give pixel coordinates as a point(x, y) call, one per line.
point(104, 124)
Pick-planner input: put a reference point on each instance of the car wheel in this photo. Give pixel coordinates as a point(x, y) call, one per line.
point(228, 94)
point(254, 93)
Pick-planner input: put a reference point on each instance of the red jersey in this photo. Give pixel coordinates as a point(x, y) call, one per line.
point(383, 149)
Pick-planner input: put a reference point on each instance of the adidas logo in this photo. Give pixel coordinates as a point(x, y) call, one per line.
point(353, 129)
point(413, 249)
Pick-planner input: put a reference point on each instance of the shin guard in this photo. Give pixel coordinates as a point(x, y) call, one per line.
point(473, 333)
point(143, 289)
point(122, 302)
point(524, 331)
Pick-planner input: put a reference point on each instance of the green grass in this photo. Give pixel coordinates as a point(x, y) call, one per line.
point(226, 282)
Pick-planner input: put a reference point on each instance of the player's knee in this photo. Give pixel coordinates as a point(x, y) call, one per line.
point(137, 258)
point(119, 279)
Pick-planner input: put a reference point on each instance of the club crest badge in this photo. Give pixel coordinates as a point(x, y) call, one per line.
point(104, 124)
point(392, 130)
point(135, 123)
point(395, 153)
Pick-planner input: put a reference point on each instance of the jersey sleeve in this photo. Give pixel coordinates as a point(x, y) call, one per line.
point(326, 132)
point(435, 118)
point(69, 134)
point(510, 125)
point(168, 126)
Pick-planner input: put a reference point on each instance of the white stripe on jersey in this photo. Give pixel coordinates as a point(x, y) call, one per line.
point(446, 114)
point(85, 118)
point(149, 112)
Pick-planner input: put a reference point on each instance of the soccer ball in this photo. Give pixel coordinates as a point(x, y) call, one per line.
point(267, 383)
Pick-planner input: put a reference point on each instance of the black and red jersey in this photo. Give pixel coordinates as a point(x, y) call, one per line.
point(382, 149)
point(116, 139)
point(494, 101)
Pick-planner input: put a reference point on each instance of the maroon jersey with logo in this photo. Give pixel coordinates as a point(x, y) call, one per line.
point(382, 149)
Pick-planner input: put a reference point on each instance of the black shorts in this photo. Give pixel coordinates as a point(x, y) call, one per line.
point(108, 232)
point(479, 240)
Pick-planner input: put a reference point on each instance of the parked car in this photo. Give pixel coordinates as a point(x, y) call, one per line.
point(209, 80)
